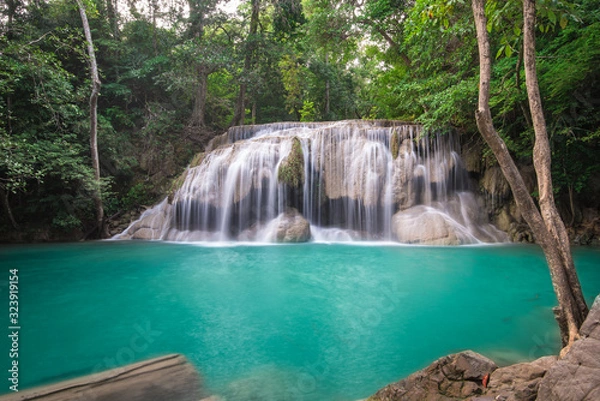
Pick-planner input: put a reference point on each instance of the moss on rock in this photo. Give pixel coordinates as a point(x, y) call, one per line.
point(395, 144)
point(197, 160)
point(176, 184)
point(291, 169)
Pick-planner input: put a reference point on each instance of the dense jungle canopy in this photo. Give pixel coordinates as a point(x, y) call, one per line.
point(176, 73)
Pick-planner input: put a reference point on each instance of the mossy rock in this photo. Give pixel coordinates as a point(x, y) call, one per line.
point(291, 169)
point(395, 144)
point(197, 160)
point(176, 184)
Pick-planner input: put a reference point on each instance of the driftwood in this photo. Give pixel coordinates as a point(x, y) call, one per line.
point(168, 378)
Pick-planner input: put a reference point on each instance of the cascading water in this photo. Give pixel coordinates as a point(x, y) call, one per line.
point(348, 180)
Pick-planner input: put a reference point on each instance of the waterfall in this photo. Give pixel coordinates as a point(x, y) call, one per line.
point(347, 180)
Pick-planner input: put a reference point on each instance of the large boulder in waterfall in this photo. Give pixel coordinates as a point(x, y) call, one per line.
point(423, 225)
point(460, 219)
point(291, 226)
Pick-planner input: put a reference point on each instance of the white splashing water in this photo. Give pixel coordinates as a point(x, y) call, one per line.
point(352, 188)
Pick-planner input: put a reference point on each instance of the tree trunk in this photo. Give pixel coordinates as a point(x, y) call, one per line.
point(112, 19)
point(154, 38)
point(327, 87)
point(96, 194)
point(9, 114)
point(197, 119)
point(394, 46)
point(240, 105)
point(4, 196)
point(11, 10)
point(197, 20)
point(571, 312)
point(542, 156)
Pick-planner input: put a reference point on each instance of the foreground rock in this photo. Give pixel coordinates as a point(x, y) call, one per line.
point(519, 382)
point(453, 377)
point(575, 377)
point(170, 377)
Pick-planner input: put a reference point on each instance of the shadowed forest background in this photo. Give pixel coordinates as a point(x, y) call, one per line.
point(177, 73)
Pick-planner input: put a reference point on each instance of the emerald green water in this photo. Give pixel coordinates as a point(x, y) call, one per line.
point(295, 322)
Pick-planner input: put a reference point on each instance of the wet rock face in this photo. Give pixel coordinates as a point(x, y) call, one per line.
point(453, 377)
point(150, 225)
point(459, 220)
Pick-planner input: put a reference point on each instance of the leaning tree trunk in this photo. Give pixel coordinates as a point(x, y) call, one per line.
point(542, 153)
point(572, 309)
point(96, 194)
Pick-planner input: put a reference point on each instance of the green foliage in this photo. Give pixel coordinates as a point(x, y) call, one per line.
point(138, 195)
point(309, 60)
point(308, 112)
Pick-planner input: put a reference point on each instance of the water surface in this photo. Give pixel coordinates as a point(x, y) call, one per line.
point(291, 322)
